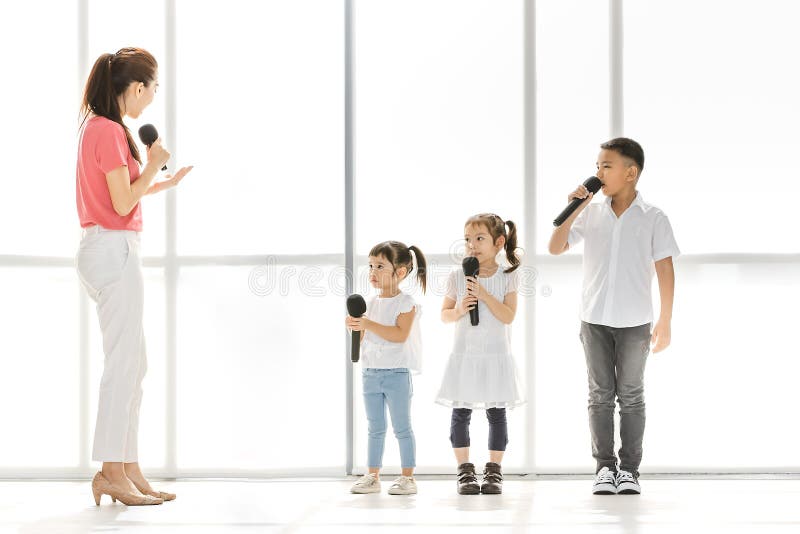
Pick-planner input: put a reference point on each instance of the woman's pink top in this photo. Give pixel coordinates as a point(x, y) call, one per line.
point(103, 147)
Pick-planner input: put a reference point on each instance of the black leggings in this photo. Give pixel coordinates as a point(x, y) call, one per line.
point(498, 428)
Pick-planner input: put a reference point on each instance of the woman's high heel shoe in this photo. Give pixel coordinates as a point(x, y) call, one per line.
point(157, 494)
point(161, 495)
point(101, 486)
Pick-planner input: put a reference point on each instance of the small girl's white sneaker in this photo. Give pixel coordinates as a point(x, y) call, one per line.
point(369, 483)
point(403, 485)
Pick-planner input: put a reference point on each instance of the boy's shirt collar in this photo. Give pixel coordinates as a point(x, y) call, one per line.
point(637, 201)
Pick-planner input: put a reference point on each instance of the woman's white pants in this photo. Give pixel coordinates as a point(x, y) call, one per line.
point(109, 266)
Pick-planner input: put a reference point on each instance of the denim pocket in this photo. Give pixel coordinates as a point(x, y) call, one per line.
point(404, 374)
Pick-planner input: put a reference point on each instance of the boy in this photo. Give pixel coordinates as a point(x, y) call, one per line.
point(626, 240)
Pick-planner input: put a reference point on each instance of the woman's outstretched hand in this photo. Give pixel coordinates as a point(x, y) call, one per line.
point(171, 180)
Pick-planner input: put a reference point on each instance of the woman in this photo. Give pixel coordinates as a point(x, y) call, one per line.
point(110, 184)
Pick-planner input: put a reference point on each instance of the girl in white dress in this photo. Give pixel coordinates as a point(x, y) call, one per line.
point(391, 350)
point(481, 373)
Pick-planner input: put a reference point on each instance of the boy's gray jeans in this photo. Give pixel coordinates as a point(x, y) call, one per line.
point(615, 360)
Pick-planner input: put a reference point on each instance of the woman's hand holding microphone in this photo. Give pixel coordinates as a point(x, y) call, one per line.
point(157, 156)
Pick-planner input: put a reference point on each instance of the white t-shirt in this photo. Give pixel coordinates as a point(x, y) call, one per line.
point(618, 261)
point(378, 353)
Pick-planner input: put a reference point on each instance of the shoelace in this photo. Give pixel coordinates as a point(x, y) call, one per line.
point(492, 476)
point(605, 477)
point(367, 480)
point(467, 476)
point(624, 476)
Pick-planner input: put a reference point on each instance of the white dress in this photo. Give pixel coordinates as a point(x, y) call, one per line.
point(481, 372)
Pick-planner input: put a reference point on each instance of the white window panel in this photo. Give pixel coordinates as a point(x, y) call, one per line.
point(260, 377)
point(38, 139)
point(572, 102)
point(711, 93)
point(439, 118)
point(261, 117)
point(40, 378)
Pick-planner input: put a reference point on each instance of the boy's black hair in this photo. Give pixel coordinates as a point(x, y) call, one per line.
point(627, 148)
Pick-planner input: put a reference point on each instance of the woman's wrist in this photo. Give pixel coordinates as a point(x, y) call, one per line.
point(151, 168)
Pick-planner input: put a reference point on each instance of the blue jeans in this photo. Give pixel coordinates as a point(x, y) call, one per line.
point(390, 387)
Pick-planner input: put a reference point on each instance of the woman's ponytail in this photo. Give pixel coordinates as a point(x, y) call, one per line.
point(99, 96)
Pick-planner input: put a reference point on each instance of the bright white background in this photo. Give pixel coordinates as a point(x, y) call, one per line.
point(244, 287)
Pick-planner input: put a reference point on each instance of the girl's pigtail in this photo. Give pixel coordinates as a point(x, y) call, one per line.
point(422, 271)
point(511, 247)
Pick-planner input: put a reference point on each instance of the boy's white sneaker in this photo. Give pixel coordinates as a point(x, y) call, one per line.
point(605, 482)
point(627, 484)
point(366, 484)
point(403, 485)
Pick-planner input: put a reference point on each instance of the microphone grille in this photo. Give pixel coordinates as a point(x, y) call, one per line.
point(356, 305)
point(148, 134)
point(593, 184)
point(470, 264)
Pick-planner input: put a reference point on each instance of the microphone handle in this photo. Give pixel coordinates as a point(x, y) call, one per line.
point(473, 316)
point(164, 168)
point(355, 347)
point(571, 207)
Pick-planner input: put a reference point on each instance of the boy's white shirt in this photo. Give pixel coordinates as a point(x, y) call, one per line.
point(619, 260)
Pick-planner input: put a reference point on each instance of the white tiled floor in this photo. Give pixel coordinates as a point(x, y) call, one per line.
point(304, 505)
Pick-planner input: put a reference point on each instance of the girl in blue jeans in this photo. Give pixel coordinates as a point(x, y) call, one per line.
point(391, 349)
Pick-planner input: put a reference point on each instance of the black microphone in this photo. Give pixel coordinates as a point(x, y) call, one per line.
point(593, 184)
point(148, 135)
point(356, 307)
point(471, 265)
